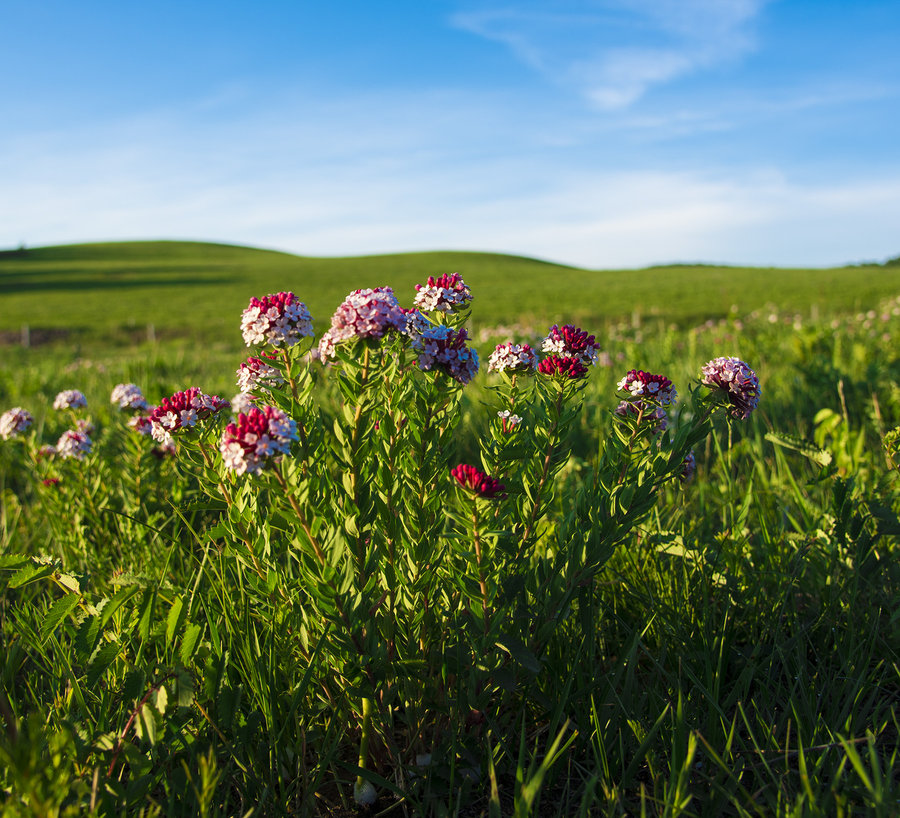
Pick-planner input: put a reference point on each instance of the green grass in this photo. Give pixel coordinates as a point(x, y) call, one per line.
point(102, 294)
point(738, 655)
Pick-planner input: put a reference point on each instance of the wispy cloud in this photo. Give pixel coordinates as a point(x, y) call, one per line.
point(614, 51)
point(328, 182)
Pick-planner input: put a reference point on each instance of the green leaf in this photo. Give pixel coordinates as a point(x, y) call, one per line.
point(101, 662)
point(189, 643)
point(175, 619)
point(520, 652)
point(57, 613)
point(145, 724)
point(117, 601)
point(161, 700)
point(28, 574)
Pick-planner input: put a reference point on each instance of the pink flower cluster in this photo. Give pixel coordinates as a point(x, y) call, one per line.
point(73, 444)
point(640, 384)
point(509, 357)
point(128, 396)
point(572, 342)
point(565, 366)
point(447, 293)
point(476, 481)
point(255, 373)
point(276, 319)
point(736, 382)
point(181, 411)
point(249, 443)
point(70, 399)
point(242, 402)
point(363, 314)
point(14, 421)
point(444, 348)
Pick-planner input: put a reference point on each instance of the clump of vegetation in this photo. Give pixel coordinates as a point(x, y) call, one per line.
point(372, 580)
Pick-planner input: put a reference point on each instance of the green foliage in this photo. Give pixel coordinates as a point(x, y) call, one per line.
point(603, 639)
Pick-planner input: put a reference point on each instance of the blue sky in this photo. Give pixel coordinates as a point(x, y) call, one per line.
point(602, 133)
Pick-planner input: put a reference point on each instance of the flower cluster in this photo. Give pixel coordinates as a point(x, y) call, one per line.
point(14, 421)
point(445, 348)
point(416, 323)
point(129, 396)
point(572, 342)
point(447, 293)
point(640, 384)
point(255, 373)
point(736, 382)
point(276, 319)
point(474, 480)
point(140, 424)
point(70, 399)
point(73, 444)
point(242, 402)
point(181, 411)
point(515, 358)
point(508, 421)
point(250, 442)
point(363, 314)
point(565, 366)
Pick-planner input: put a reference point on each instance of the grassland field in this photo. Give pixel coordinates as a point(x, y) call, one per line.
point(739, 654)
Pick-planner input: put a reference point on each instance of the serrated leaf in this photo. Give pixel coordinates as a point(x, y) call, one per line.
point(28, 574)
point(146, 614)
point(161, 700)
point(57, 613)
point(101, 662)
point(189, 643)
point(13, 560)
point(86, 637)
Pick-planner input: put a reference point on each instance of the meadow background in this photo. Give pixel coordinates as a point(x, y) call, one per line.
point(738, 653)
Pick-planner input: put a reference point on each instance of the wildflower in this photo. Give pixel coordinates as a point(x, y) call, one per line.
point(242, 402)
point(736, 382)
point(447, 293)
point(474, 480)
point(73, 444)
point(654, 416)
point(508, 421)
point(70, 399)
point(14, 421)
point(50, 481)
point(129, 396)
point(445, 348)
point(277, 319)
point(572, 342)
point(256, 437)
point(516, 358)
point(45, 452)
point(86, 426)
point(255, 373)
point(140, 424)
point(181, 411)
point(564, 365)
point(688, 468)
point(416, 323)
point(640, 384)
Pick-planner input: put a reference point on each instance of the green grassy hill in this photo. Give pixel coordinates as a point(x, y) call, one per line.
point(110, 293)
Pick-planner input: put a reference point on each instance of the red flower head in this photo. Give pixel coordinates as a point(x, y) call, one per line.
point(474, 480)
point(564, 365)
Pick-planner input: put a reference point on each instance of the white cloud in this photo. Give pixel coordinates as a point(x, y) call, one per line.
point(614, 51)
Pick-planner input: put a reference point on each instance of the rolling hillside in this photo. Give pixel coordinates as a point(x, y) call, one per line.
point(112, 293)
